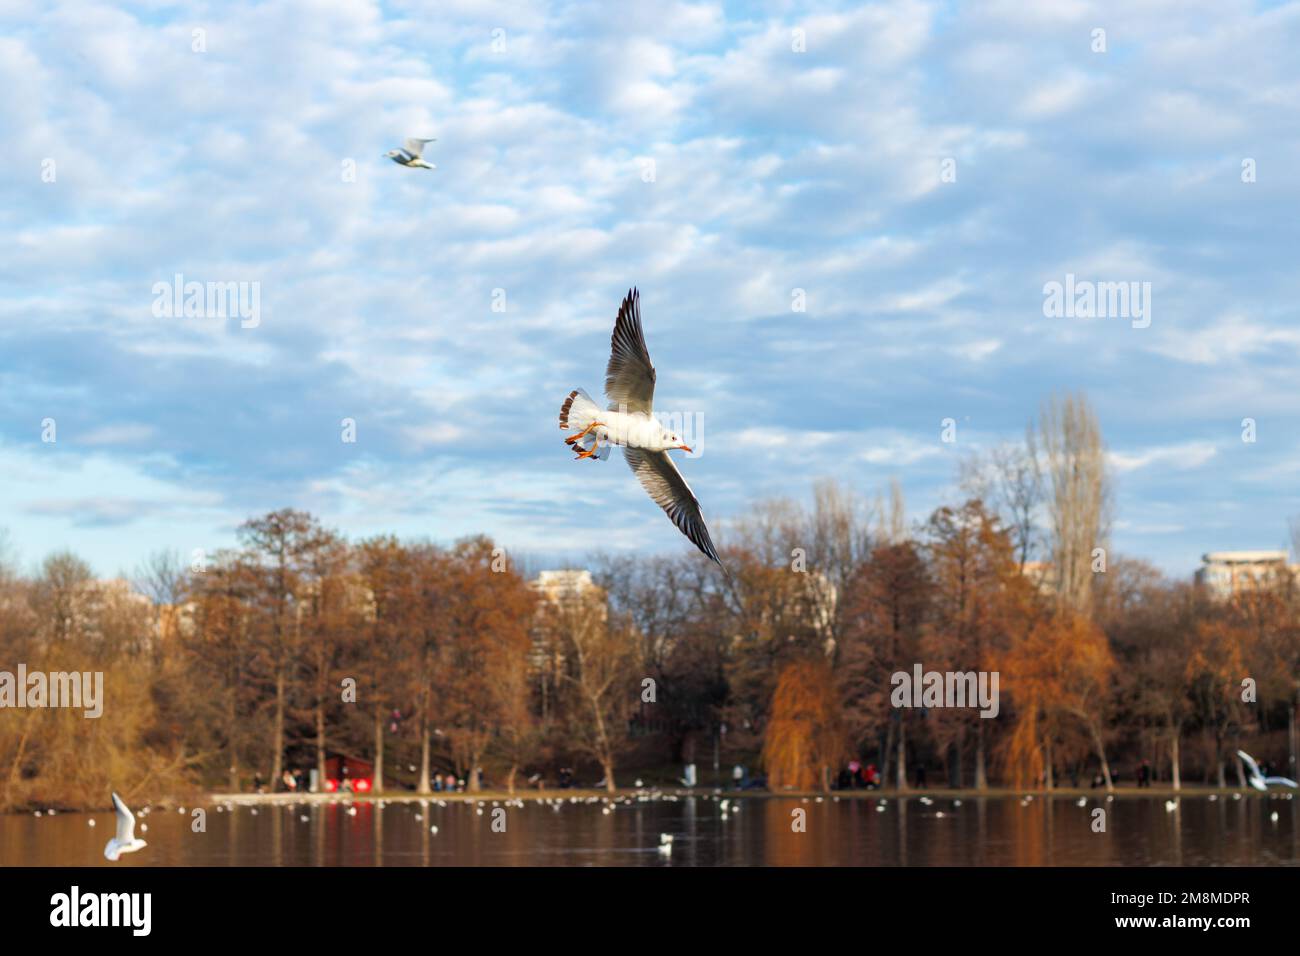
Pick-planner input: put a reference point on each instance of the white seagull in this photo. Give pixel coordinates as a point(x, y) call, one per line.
point(124, 841)
point(629, 421)
point(1258, 780)
point(411, 154)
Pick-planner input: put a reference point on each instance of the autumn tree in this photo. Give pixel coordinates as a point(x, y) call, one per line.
point(805, 737)
point(1149, 621)
point(488, 617)
point(382, 647)
point(218, 654)
point(327, 610)
point(886, 611)
point(980, 602)
point(277, 542)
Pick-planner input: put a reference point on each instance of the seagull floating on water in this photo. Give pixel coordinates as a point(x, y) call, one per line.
point(1258, 780)
point(124, 840)
point(629, 421)
point(411, 154)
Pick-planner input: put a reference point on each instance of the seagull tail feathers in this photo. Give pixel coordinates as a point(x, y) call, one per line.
point(578, 411)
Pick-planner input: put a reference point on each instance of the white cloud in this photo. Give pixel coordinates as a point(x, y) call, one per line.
point(1183, 456)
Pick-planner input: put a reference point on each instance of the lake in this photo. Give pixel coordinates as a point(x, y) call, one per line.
point(871, 831)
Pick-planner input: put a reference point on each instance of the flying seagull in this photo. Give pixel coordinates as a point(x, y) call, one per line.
point(124, 841)
point(629, 421)
point(411, 154)
point(1258, 780)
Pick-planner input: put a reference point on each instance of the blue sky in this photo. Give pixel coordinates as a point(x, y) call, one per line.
point(774, 170)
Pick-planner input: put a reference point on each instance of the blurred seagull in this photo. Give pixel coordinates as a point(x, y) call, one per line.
point(629, 421)
point(411, 154)
point(124, 841)
point(1258, 780)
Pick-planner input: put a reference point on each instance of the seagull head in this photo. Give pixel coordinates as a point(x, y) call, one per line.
point(670, 439)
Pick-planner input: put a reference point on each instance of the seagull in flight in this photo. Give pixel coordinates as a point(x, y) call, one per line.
point(1258, 780)
point(124, 840)
point(629, 422)
point(411, 154)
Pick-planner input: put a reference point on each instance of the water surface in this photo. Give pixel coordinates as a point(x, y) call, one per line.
point(751, 831)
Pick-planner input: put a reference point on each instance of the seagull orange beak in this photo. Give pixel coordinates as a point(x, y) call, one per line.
point(683, 448)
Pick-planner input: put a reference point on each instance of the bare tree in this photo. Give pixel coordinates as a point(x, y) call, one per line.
point(1068, 447)
point(1008, 478)
point(599, 657)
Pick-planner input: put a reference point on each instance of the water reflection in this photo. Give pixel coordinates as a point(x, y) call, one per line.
point(872, 831)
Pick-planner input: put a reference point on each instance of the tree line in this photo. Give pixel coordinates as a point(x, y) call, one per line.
point(426, 659)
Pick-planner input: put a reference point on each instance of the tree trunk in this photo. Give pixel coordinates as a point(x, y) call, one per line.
point(902, 756)
point(510, 778)
point(423, 785)
point(231, 744)
point(981, 770)
point(1175, 758)
point(320, 742)
point(1291, 734)
point(1101, 755)
point(886, 758)
point(608, 764)
point(377, 784)
point(277, 733)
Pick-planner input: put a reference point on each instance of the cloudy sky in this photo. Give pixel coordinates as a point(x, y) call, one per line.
point(918, 170)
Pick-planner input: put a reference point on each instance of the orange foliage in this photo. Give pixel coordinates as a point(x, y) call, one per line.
point(805, 736)
point(1063, 668)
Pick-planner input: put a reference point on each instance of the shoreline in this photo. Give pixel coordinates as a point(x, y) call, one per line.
point(540, 796)
point(657, 793)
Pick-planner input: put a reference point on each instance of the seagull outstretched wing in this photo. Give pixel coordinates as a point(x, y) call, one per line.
point(664, 483)
point(1252, 768)
point(125, 821)
point(630, 377)
point(416, 146)
point(1282, 782)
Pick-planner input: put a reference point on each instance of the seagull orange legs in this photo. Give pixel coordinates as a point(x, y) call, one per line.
point(586, 453)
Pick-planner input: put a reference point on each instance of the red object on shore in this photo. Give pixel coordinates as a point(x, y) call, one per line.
point(348, 773)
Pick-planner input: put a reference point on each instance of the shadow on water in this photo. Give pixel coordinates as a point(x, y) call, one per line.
point(994, 831)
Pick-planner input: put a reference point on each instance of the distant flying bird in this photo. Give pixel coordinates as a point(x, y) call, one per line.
point(411, 154)
point(629, 422)
point(1258, 780)
point(124, 841)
